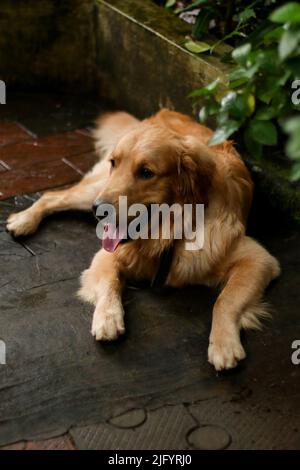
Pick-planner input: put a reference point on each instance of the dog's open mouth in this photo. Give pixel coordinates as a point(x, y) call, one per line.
point(112, 237)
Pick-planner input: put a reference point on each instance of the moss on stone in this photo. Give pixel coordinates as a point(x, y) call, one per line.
point(165, 24)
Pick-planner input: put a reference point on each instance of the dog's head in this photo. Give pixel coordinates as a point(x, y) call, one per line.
point(153, 165)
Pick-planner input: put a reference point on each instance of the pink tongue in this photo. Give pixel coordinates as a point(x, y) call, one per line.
point(111, 237)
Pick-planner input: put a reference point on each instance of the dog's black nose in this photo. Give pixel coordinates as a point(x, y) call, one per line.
point(96, 205)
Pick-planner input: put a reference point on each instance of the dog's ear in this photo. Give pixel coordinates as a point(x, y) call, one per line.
point(195, 169)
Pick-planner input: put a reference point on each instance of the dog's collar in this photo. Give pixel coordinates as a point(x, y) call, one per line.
point(164, 266)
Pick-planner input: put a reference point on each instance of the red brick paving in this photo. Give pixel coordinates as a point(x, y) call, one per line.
point(2, 167)
point(45, 149)
point(36, 164)
point(82, 163)
point(11, 132)
point(57, 443)
point(37, 178)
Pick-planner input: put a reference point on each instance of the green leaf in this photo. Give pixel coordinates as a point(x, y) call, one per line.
point(288, 13)
point(222, 118)
point(245, 15)
point(292, 125)
point(253, 147)
point(228, 100)
point(240, 54)
point(205, 90)
point(274, 35)
point(263, 132)
point(293, 64)
point(293, 147)
point(197, 46)
point(251, 102)
point(238, 83)
point(238, 105)
point(243, 73)
point(284, 78)
point(170, 3)
point(203, 114)
point(267, 89)
point(222, 133)
point(295, 173)
point(281, 99)
point(208, 110)
point(257, 37)
point(265, 113)
point(288, 43)
point(194, 5)
point(267, 60)
point(202, 23)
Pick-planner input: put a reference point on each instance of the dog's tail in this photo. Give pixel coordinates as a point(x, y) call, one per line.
point(258, 311)
point(110, 128)
point(255, 314)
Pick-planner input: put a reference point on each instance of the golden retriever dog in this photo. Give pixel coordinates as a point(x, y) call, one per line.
point(166, 159)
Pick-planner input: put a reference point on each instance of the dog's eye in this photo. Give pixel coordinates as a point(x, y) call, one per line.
point(145, 173)
point(113, 163)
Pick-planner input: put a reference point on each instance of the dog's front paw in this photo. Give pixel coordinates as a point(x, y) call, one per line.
point(109, 325)
point(225, 353)
point(22, 223)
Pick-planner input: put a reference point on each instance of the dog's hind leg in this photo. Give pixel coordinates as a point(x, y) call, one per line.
point(81, 197)
point(251, 268)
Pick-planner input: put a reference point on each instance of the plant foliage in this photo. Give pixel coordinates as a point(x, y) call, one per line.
point(261, 99)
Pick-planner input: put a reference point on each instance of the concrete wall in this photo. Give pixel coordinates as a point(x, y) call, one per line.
point(48, 43)
point(142, 62)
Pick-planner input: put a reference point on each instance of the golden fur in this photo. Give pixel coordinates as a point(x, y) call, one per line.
point(186, 170)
